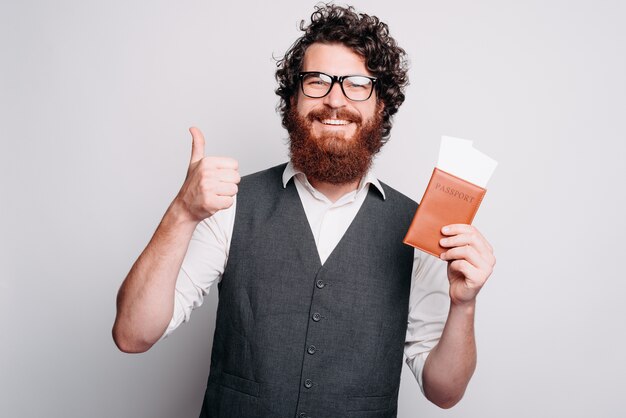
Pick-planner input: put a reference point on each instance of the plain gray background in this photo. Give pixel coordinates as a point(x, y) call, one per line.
point(95, 102)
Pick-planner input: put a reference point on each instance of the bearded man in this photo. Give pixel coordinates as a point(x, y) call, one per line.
point(318, 296)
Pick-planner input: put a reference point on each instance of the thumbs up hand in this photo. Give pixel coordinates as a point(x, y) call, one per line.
point(211, 182)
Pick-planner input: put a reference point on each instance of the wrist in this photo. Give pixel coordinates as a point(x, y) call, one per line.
point(464, 307)
point(178, 214)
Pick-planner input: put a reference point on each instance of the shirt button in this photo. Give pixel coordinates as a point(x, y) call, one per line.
point(311, 349)
point(317, 316)
point(308, 383)
point(320, 284)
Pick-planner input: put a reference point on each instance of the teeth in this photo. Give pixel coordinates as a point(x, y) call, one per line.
point(335, 122)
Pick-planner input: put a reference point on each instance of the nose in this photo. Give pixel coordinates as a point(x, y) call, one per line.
point(335, 98)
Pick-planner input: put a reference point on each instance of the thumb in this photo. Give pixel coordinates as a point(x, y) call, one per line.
point(197, 145)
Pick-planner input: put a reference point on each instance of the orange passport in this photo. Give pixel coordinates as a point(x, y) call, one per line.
point(447, 200)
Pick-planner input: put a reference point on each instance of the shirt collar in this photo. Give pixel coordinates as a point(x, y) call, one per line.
point(369, 178)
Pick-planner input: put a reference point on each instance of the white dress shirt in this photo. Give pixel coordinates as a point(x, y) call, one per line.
point(206, 258)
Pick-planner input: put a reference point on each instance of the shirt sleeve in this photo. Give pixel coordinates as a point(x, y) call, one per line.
point(203, 265)
point(429, 303)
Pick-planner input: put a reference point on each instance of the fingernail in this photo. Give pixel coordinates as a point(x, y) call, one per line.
point(443, 242)
point(446, 229)
point(443, 256)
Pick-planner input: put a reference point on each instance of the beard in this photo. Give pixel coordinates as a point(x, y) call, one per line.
point(330, 157)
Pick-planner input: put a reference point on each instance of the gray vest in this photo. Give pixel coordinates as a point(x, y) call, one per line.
point(294, 338)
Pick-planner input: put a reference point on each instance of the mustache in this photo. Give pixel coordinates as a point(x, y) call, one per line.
point(326, 113)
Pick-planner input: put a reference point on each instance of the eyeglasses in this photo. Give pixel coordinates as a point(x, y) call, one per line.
point(357, 88)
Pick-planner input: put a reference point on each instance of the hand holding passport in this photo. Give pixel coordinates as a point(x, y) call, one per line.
point(453, 195)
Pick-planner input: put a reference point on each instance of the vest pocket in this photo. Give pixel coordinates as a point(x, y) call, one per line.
point(368, 403)
point(236, 383)
point(229, 396)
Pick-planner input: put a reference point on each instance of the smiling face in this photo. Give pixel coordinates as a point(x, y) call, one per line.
point(332, 138)
point(335, 114)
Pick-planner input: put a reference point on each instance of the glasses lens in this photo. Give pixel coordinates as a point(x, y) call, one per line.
point(316, 84)
point(357, 87)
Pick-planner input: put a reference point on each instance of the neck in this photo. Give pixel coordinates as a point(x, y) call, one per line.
point(334, 191)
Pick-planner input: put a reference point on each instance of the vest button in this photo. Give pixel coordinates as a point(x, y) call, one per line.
point(320, 284)
point(317, 316)
point(311, 349)
point(308, 383)
point(302, 415)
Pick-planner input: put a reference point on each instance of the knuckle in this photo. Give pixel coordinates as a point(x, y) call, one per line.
point(456, 265)
point(453, 253)
point(211, 162)
point(465, 267)
point(204, 187)
point(205, 171)
point(208, 202)
point(227, 202)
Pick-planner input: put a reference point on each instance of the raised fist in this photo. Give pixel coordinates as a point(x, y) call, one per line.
point(211, 182)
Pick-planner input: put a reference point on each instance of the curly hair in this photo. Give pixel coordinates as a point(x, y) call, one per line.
point(367, 36)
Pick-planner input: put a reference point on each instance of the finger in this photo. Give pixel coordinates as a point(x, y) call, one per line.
point(478, 257)
point(455, 229)
point(457, 240)
point(484, 253)
point(228, 176)
point(466, 252)
point(463, 229)
point(225, 163)
point(223, 202)
point(197, 145)
point(473, 238)
point(468, 271)
point(222, 162)
point(226, 189)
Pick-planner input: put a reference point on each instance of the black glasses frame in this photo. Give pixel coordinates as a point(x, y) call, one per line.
point(335, 79)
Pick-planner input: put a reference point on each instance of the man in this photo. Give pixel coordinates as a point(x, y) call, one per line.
point(318, 296)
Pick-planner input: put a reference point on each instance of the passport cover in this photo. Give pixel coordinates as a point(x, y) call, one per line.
point(447, 200)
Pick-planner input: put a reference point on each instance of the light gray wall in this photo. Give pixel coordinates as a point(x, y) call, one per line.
point(96, 98)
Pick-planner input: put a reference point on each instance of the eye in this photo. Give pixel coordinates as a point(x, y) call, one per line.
point(358, 82)
point(317, 80)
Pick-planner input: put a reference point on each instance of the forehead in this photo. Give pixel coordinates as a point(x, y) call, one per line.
point(333, 59)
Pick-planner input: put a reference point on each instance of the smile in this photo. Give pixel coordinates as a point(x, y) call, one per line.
point(335, 122)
